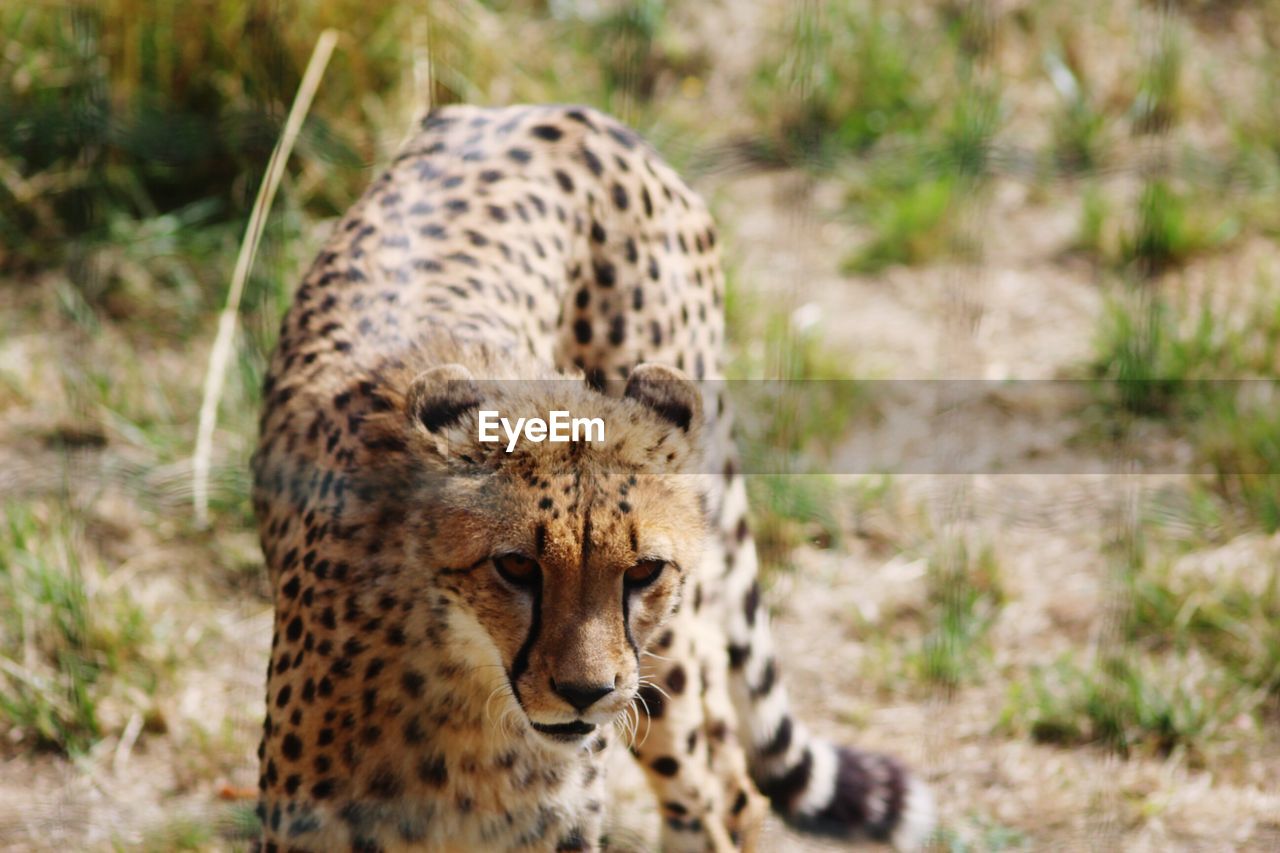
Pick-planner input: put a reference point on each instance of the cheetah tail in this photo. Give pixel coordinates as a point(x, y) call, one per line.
point(814, 785)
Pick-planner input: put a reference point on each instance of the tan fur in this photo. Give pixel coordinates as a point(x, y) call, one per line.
point(423, 691)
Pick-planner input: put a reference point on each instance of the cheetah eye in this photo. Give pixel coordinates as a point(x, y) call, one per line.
point(643, 573)
point(517, 569)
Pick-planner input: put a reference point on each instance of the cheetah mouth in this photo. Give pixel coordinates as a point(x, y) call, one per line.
point(565, 731)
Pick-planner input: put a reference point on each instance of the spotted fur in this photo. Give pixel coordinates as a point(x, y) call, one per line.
point(462, 633)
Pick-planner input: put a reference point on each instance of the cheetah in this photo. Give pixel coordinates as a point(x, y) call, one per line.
point(462, 633)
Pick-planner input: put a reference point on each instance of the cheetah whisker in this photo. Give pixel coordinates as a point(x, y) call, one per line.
point(488, 715)
point(646, 682)
point(627, 722)
point(648, 721)
point(623, 724)
point(506, 723)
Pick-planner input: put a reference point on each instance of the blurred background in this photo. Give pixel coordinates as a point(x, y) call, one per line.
point(944, 189)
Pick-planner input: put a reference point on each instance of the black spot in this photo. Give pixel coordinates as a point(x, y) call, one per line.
point(583, 298)
point(282, 698)
point(413, 731)
point(433, 771)
point(767, 678)
point(413, 683)
point(597, 232)
point(652, 701)
point(290, 590)
point(520, 155)
point(548, 132)
point(580, 117)
point(665, 766)
point(593, 162)
point(385, 784)
point(291, 747)
point(623, 137)
point(606, 274)
point(322, 789)
point(738, 655)
point(751, 603)
point(582, 331)
point(676, 680)
point(618, 330)
point(563, 179)
point(620, 198)
point(294, 631)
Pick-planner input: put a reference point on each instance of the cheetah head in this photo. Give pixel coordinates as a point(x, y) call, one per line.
point(560, 560)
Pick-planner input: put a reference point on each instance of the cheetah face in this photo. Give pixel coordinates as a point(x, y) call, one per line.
point(565, 559)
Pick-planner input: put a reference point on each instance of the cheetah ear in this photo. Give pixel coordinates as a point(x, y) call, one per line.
point(668, 393)
point(439, 397)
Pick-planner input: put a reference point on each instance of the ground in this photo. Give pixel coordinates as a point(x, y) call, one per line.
point(96, 419)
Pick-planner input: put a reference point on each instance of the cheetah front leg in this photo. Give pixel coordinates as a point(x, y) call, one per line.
point(686, 741)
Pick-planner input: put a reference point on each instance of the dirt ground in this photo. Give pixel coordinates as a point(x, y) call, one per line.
point(1035, 312)
point(1048, 531)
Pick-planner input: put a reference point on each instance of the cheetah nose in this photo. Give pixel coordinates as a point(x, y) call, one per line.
point(581, 696)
